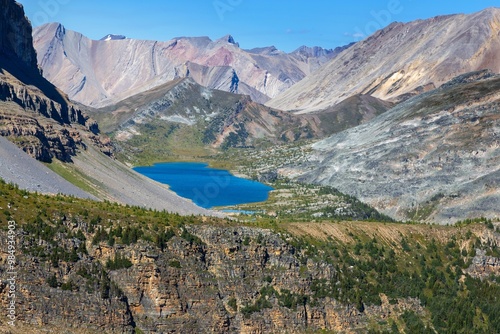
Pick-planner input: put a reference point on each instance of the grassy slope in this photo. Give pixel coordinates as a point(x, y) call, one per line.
point(164, 142)
point(72, 175)
point(251, 124)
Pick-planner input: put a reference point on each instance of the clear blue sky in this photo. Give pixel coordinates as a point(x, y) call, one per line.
point(286, 24)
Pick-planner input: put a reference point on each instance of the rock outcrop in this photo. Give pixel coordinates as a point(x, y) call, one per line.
point(210, 279)
point(402, 60)
point(484, 265)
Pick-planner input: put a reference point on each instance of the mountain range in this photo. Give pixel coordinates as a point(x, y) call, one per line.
point(164, 119)
point(401, 60)
point(168, 100)
point(99, 73)
point(99, 248)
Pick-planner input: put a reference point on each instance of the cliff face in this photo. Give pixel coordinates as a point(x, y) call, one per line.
point(15, 34)
point(210, 279)
point(44, 128)
point(34, 100)
point(34, 113)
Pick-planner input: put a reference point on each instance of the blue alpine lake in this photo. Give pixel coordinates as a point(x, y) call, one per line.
point(205, 186)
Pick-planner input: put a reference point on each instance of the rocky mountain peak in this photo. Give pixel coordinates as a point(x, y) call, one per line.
point(60, 31)
point(314, 51)
point(228, 39)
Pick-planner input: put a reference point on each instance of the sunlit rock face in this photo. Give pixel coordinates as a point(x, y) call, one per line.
point(402, 60)
point(99, 73)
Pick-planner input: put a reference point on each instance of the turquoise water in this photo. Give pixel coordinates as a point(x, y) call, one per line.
point(205, 186)
point(243, 212)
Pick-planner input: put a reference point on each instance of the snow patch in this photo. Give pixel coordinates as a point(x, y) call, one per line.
point(178, 119)
point(206, 93)
point(112, 37)
point(211, 116)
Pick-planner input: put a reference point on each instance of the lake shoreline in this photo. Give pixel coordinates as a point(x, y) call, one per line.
point(206, 186)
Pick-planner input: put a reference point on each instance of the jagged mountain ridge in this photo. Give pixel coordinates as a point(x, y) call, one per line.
point(183, 113)
point(100, 73)
point(435, 157)
point(402, 60)
point(157, 120)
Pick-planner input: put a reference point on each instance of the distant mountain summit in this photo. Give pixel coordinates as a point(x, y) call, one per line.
point(97, 73)
point(229, 39)
point(267, 50)
point(401, 60)
point(111, 37)
point(315, 51)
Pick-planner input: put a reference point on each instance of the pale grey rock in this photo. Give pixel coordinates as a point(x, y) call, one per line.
point(19, 168)
point(435, 157)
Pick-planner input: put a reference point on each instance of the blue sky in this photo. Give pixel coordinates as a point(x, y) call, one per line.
point(253, 23)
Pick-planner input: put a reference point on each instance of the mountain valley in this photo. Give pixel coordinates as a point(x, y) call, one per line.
point(383, 156)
